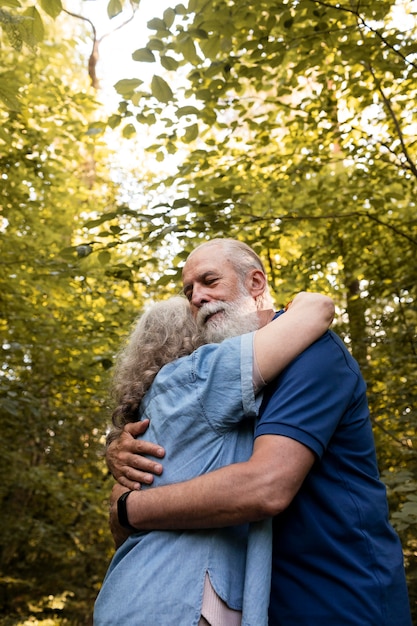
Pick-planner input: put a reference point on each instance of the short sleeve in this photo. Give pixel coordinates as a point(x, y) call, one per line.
point(308, 400)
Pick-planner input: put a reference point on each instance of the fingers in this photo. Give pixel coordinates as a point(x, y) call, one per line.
point(129, 484)
point(131, 460)
point(128, 443)
point(136, 428)
point(133, 478)
point(140, 447)
point(138, 470)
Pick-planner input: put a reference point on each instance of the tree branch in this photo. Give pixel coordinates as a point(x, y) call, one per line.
point(394, 118)
point(376, 32)
point(344, 216)
point(94, 56)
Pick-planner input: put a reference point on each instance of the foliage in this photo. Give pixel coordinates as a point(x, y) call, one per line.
point(301, 129)
point(54, 539)
point(291, 125)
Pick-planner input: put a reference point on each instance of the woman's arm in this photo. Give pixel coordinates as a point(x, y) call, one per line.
point(280, 341)
point(275, 345)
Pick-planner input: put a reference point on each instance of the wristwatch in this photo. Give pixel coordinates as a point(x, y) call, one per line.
point(122, 512)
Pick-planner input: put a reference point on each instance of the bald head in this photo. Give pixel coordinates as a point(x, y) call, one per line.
point(240, 254)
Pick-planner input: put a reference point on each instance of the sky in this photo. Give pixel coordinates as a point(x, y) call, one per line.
point(117, 46)
point(116, 63)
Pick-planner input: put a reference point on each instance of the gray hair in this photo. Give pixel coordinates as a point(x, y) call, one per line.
point(165, 332)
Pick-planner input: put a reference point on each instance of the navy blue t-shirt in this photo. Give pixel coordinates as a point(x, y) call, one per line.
point(336, 559)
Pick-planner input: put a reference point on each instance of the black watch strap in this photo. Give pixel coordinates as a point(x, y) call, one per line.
point(122, 512)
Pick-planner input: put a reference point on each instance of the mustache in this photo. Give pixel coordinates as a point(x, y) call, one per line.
point(207, 310)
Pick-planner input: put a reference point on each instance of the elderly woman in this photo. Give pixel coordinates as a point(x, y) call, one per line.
point(201, 401)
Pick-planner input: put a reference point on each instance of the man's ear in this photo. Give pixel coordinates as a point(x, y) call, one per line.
point(256, 283)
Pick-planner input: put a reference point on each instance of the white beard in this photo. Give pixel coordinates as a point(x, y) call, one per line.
point(236, 318)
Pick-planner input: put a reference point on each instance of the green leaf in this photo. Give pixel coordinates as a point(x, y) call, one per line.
point(129, 131)
point(161, 90)
point(143, 55)
point(149, 119)
point(32, 28)
point(191, 133)
point(155, 44)
point(210, 47)
point(114, 8)
point(169, 63)
point(14, 35)
point(52, 7)
point(180, 202)
point(180, 9)
point(198, 33)
point(114, 120)
point(127, 85)
point(137, 97)
point(187, 110)
point(188, 50)
point(9, 88)
point(104, 257)
point(156, 24)
point(169, 17)
point(10, 3)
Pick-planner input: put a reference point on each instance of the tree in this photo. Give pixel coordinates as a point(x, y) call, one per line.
point(294, 131)
point(301, 130)
point(68, 297)
point(59, 331)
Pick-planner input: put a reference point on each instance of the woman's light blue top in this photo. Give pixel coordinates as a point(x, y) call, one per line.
point(201, 409)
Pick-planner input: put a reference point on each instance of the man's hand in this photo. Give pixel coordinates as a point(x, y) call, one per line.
point(124, 458)
point(119, 533)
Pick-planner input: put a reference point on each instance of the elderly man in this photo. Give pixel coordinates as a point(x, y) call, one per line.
point(336, 559)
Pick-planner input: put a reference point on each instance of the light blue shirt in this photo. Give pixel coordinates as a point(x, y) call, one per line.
point(201, 409)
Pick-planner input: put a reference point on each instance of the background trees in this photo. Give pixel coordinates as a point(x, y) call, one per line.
point(57, 331)
point(289, 124)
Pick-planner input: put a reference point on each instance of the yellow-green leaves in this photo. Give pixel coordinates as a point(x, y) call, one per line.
point(160, 89)
point(114, 7)
point(9, 88)
point(52, 7)
point(127, 86)
point(143, 55)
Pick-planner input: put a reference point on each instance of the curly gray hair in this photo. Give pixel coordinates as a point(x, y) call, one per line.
point(165, 332)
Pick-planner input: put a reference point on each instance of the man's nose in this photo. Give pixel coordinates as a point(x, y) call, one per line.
point(199, 296)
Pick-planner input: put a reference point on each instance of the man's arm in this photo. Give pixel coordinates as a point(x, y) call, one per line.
point(261, 487)
point(275, 344)
point(124, 457)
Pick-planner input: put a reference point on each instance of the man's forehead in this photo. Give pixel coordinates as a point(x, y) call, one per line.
point(199, 275)
point(205, 261)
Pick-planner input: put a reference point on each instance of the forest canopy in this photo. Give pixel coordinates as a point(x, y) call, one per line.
point(288, 124)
